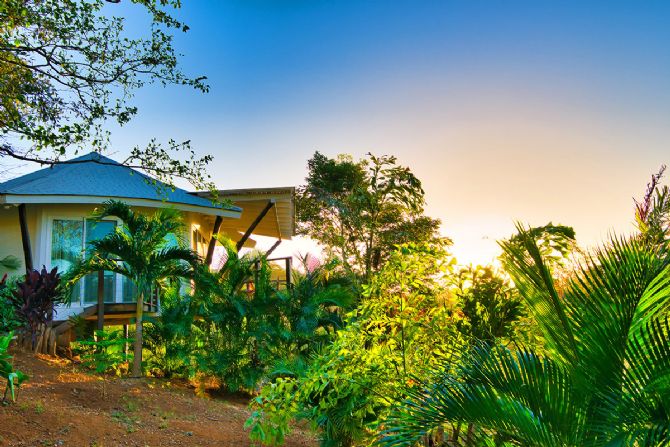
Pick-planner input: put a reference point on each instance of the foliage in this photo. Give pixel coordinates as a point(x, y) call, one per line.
point(9, 321)
point(10, 263)
point(104, 353)
point(360, 210)
point(13, 377)
point(248, 333)
point(652, 214)
point(238, 327)
point(142, 250)
point(555, 244)
point(35, 297)
point(604, 380)
point(66, 68)
point(170, 339)
point(491, 306)
point(404, 325)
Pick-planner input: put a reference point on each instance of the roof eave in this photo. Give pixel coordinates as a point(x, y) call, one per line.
point(16, 199)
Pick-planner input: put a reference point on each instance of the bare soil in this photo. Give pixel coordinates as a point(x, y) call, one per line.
point(61, 405)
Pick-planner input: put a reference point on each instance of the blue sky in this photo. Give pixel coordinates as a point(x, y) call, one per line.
point(506, 110)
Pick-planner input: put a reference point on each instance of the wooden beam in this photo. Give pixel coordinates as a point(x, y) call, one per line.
point(254, 224)
point(276, 244)
point(212, 241)
point(25, 238)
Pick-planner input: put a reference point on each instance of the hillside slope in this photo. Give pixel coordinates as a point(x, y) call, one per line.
point(63, 406)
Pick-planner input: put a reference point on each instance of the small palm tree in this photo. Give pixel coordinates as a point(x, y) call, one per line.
point(605, 377)
point(141, 250)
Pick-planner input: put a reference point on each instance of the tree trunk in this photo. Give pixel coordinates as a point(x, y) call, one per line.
point(137, 360)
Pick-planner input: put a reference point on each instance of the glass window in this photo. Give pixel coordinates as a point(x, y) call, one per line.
point(66, 246)
point(129, 289)
point(97, 230)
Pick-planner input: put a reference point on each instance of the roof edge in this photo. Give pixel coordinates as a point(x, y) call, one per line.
point(16, 199)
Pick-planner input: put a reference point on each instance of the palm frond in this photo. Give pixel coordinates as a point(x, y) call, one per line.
point(533, 278)
point(522, 395)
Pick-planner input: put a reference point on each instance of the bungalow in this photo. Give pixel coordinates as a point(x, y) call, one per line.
point(45, 220)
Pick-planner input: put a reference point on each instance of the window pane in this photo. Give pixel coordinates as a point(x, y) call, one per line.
point(129, 291)
point(97, 230)
point(66, 246)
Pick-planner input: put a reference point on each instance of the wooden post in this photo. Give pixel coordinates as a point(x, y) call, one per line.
point(212, 241)
point(254, 224)
point(101, 300)
point(25, 238)
point(288, 273)
point(125, 345)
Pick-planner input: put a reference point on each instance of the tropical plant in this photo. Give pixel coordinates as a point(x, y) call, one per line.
point(104, 353)
point(360, 210)
point(143, 250)
point(35, 298)
point(403, 325)
point(605, 378)
point(652, 213)
point(13, 378)
point(9, 321)
point(249, 328)
point(491, 306)
point(171, 338)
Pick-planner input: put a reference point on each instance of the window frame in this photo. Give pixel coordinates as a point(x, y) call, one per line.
point(48, 245)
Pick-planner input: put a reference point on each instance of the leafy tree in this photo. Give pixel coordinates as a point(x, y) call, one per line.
point(68, 67)
point(604, 379)
point(491, 306)
point(404, 325)
point(360, 210)
point(141, 249)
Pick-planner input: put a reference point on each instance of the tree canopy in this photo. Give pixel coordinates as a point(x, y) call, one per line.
point(68, 67)
point(359, 210)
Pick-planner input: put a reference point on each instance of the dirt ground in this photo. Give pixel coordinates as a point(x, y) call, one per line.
point(62, 406)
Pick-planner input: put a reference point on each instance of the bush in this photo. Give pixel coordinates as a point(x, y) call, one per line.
point(34, 300)
point(402, 326)
point(9, 321)
point(13, 378)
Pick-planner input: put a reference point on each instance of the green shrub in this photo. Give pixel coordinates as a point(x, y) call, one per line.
point(13, 378)
point(9, 321)
point(403, 326)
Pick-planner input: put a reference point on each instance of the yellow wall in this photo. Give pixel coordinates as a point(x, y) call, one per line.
point(10, 235)
point(38, 216)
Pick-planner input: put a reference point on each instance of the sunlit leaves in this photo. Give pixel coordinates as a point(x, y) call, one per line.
point(604, 381)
